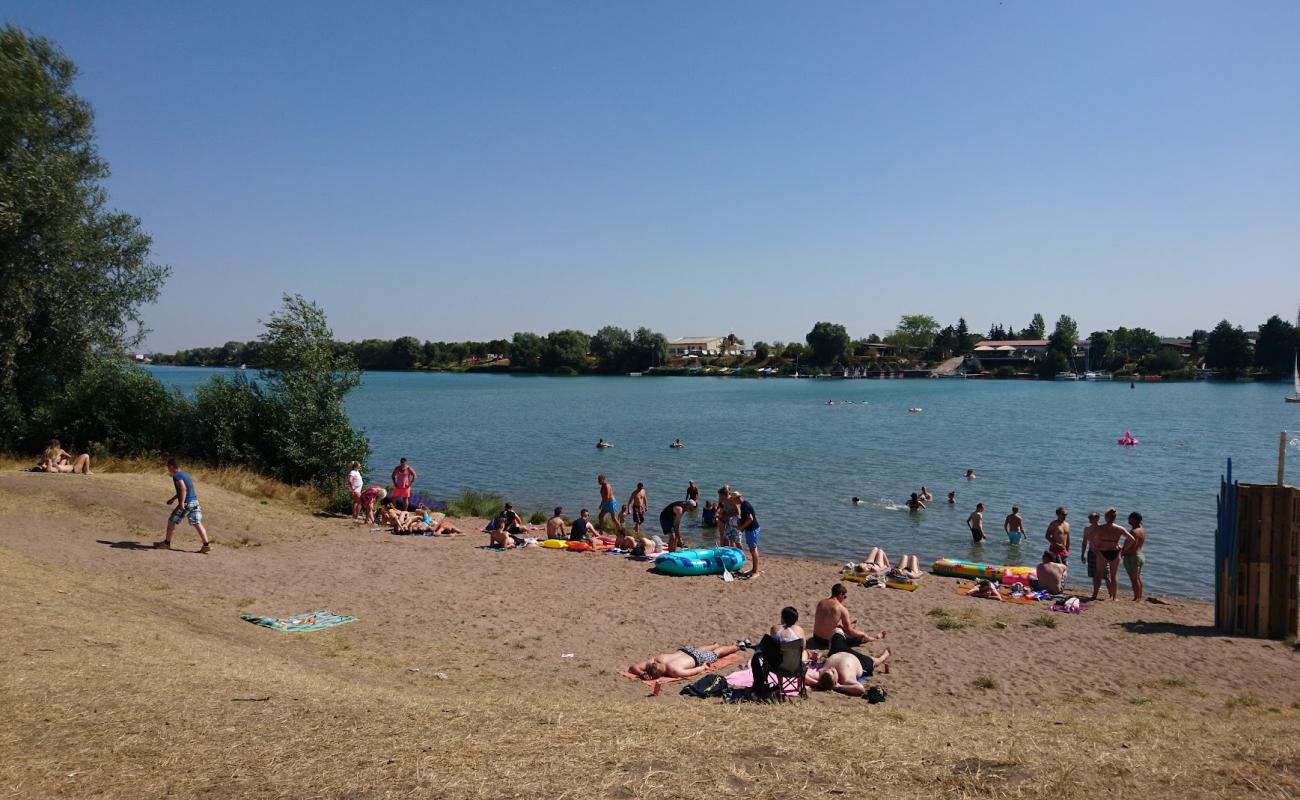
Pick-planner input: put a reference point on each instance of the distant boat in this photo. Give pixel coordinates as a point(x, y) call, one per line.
point(1066, 376)
point(1295, 398)
point(634, 374)
point(1096, 376)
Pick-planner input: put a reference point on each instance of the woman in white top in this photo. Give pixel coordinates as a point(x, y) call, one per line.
point(354, 486)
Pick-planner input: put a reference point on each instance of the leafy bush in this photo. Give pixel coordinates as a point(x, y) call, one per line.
point(475, 504)
point(537, 518)
point(111, 408)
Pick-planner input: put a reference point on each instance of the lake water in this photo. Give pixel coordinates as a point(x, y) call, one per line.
point(1035, 444)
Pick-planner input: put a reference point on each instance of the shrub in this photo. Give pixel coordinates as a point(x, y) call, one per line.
point(538, 518)
point(1043, 621)
point(111, 408)
point(985, 682)
point(475, 504)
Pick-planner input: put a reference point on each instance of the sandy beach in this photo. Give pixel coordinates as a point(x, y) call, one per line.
point(550, 630)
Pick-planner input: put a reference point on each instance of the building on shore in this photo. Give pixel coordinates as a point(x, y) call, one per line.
point(699, 346)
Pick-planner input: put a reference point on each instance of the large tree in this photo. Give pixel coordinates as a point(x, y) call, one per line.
point(648, 349)
point(1227, 349)
point(828, 342)
point(1275, 348)
point(610, 346)
point(1064, 336)
point(1037, 328)
point(73, 272)
point(916, 331)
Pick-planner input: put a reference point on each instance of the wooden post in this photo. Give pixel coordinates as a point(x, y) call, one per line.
point(1281, 458)
point(1258, 591)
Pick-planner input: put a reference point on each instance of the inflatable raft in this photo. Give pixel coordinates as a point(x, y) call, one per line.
point(973, 569)
point(702, 561)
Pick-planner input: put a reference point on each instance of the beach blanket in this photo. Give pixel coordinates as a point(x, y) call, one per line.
point(315, 621)
point(725, 661)
point(964, 589)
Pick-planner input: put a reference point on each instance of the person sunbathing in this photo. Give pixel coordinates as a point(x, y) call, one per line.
point(876, 562)
point(55, 459)
point(986, 589)
point(909, 568)
point(685, 662)
point(843, 672)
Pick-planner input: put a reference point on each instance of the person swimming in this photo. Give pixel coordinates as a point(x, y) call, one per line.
point(602, 444)
point(677, 444)
point(857, 501)
point(915, 503)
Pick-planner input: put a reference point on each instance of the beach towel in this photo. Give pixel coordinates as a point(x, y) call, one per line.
point(725, 661)
point(744, 679)
point(964, 589)
point(315, 621)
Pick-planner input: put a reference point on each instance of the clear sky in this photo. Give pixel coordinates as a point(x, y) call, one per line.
point(464, 171)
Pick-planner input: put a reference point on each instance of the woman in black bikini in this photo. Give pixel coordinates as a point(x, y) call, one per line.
point(1108, 539)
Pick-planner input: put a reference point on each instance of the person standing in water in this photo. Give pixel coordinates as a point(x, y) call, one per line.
point(1058, 536)
point(608, 505)
point(1109, 539)
point(639, 504)
point(692, 494)
point(914, 503)
point(1014, 526)
point(976, 523)
point(1132, 554)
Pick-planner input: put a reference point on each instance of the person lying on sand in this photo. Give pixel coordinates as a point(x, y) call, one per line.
point(909, 568)
point(415, 521)
point(843, 672)
point(685, 662)
point(986, 589)
point(876, 562)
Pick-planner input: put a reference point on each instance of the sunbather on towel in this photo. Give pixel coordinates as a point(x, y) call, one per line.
point(909, 568)
point(686, 662)
point(986, 589)
point(876, 561)
point(842, 672)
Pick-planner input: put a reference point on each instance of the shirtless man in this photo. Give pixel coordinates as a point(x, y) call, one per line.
point(1089, 545)
point(915, 503)
point(1108, 539)
point(608, 505)
point(1132, 554)
point(638, 503)
point(692, 494)
point(843, 672)
point(1014, 526)
point(555, 525)
point(670, 522)
point(952, 498)
point(1058, 536)
point(926, 496)
point(976, 523)
point(832, 628)
point(685, 662)
point(1051, 576)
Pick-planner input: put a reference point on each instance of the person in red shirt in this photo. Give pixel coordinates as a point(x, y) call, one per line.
point(403, 478)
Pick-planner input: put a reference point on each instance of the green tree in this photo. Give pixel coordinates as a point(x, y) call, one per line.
point(74, 273)
point(526, 350)
point(1166, 359)
point(611, 346)
point(965, 339)
point(794, 350)
point(1198, 344)
point(405, 353)
point(1055, 361)
point(762, 351)
point(1064, 336)
point(1227, 349)
point(565, 350)
point(917, 331)
point(1275, 348)
point(1101, 347)
point(828, 342)
point(649, 349)
point(1037, 328)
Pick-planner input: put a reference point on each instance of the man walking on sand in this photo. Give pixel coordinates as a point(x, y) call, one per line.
point(187, 506)
point(403, 478)
point(608, 505)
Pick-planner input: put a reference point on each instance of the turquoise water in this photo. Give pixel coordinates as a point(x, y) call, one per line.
point(1035, 444)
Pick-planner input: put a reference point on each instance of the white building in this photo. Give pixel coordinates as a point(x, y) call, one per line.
point(696, 346)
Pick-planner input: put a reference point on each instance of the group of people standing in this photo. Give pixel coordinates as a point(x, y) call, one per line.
point(1105, 545)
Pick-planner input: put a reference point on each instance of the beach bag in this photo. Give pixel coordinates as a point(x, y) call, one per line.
point(876, 694)
point(708, 686)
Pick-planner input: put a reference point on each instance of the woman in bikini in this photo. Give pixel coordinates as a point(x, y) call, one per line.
point(1110, 539)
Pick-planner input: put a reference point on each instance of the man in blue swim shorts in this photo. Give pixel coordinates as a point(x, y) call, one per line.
point(749, 529)
point(608, 505)
point(187, 507)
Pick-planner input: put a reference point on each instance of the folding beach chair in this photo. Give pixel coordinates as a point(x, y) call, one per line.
point(782, 661)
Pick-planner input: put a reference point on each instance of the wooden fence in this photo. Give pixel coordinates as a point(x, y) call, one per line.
point(1257, 549)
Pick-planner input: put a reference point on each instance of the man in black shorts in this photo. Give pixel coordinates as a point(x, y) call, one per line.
point(670, 520)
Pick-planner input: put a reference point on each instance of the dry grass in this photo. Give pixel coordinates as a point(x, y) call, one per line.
point(111, 690)
point(240, 480)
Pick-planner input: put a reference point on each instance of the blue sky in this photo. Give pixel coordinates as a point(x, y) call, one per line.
point(463, 171)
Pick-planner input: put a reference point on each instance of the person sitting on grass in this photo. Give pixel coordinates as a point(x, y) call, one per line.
point(685, 662)
point(909, 568)
point(55, 459)
point(844, 672)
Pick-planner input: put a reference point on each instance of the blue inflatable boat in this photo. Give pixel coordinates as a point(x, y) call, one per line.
point(702, 561)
